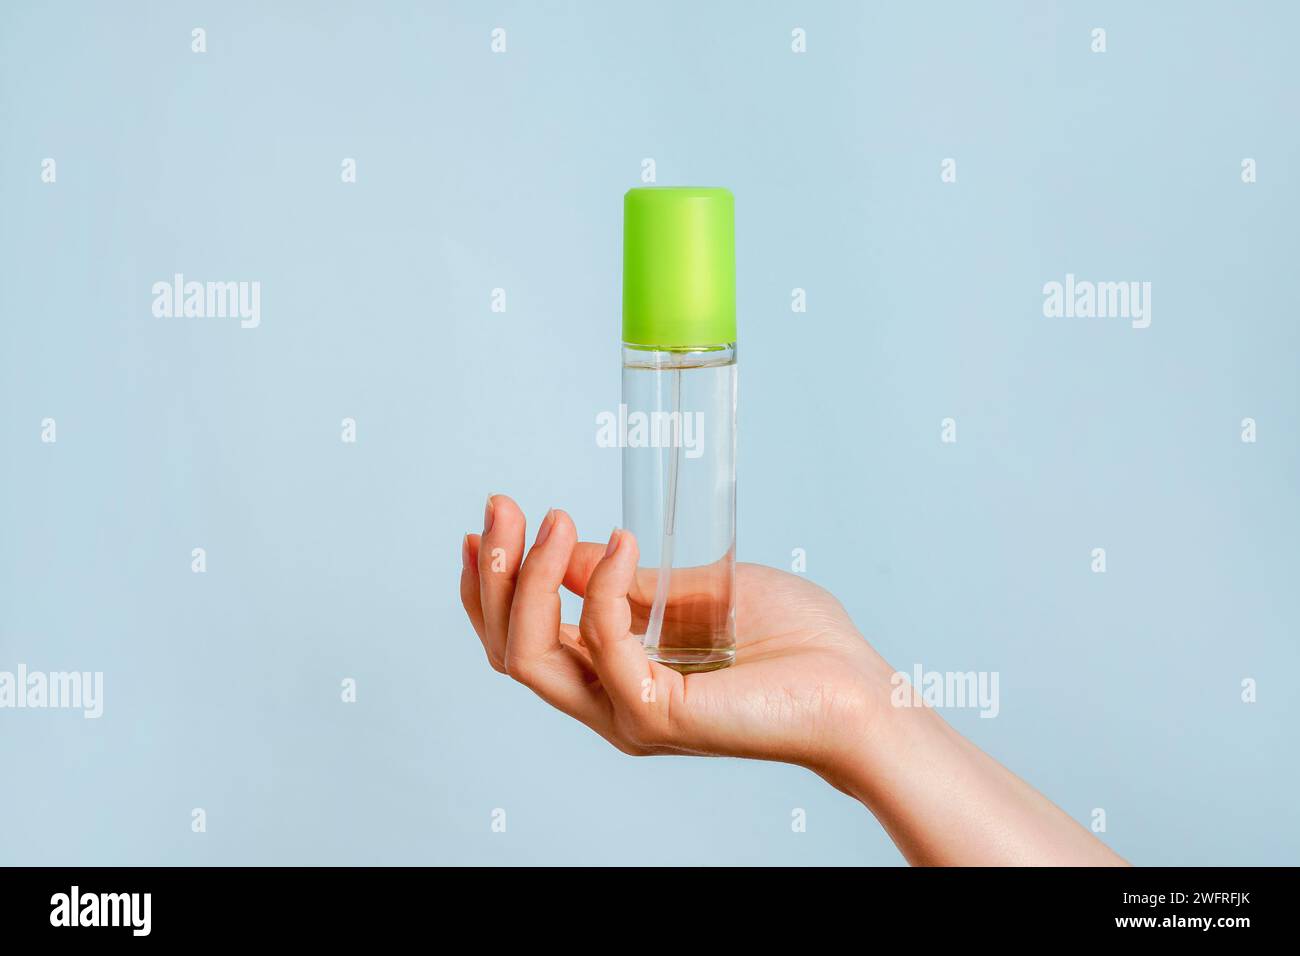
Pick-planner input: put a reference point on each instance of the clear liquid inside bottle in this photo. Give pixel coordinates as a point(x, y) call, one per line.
point(678, 432)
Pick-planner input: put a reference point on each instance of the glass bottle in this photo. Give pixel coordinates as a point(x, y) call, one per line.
point(677, 421)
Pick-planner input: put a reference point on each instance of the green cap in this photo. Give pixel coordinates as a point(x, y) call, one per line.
point(679, 267)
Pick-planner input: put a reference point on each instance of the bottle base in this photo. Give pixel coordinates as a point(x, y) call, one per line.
point(693, 660)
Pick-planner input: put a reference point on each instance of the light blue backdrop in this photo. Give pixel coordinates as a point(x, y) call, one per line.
point(477, 171)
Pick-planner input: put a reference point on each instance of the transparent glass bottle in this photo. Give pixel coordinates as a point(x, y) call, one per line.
point(677, 421)
point(679, 499)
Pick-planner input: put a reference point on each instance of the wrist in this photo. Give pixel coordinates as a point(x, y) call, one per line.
point(940, 798)
point(886, 746)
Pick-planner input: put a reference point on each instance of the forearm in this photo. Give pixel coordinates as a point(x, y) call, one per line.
point(945, 802)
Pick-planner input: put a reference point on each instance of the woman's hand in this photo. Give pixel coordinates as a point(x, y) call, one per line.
point(805, 686)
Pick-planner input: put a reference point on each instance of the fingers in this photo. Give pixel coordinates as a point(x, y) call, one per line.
point(598, 672)
point(469, 590)
point(500, 552)
point(640, 690)
point(586, 555)
point(535, 614)
point(534, 653)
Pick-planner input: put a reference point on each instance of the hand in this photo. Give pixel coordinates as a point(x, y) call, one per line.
point(804, 688)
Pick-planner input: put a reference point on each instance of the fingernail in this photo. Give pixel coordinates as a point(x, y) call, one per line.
point(544, 531)
point(487, 516)
point(614, 540)
point(464, 552)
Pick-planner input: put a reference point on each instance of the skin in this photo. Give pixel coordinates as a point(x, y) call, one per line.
point(806, 689)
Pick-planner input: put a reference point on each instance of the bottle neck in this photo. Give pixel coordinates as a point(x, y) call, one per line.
point(637, 355)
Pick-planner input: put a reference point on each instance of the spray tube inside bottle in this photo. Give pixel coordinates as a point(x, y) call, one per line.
point(679, 397)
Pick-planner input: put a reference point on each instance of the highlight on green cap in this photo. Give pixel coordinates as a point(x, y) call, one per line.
point(679, 267)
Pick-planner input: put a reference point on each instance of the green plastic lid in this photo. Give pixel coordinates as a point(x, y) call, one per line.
point(679, 267)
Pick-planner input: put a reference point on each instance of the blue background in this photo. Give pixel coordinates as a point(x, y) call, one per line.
point(478, 170)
